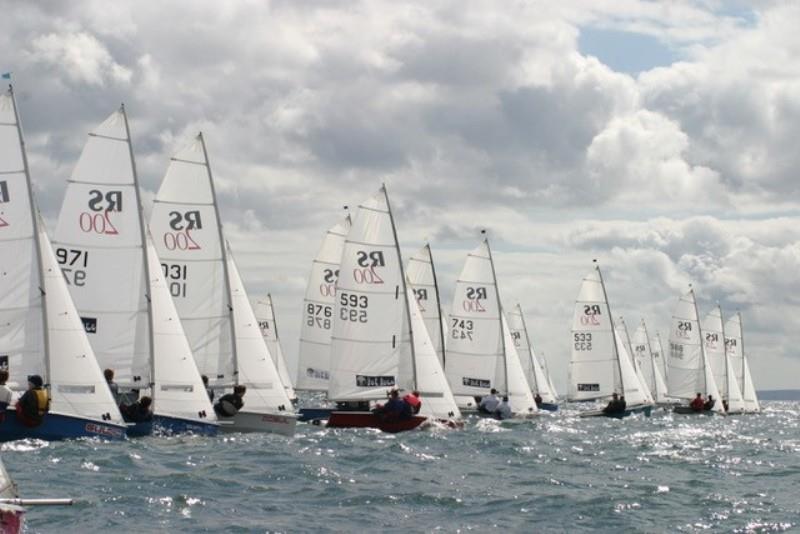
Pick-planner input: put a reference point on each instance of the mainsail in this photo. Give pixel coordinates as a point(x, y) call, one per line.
point(531, 366)
point(265, 314)
point(734, 344)
point(689, 371)
point(622, 329)
point(422, 278)
point(649, 364)
point(313, 366)
point(721, 368)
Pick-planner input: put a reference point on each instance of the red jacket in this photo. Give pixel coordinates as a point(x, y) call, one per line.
point(413, 401)
point(697, 404)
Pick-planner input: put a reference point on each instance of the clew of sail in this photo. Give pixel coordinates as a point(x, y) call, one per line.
point(313, 366)
point(265, 314)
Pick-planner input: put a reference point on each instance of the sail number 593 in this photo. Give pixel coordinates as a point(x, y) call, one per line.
point(353, 307)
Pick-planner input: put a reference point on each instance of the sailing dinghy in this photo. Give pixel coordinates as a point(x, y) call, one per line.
point(622, 330)
point(379, 339)
point(480, 353)
point(265, 315)
point(116, 282)
point(689, 370)
point(210, 297)
point(40, 329)
point(600, 364)
point(734, 344)
point(650, 366)
point(533, 369)
point(720, 363)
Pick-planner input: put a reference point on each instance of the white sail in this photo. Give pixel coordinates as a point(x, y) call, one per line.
point(750, 398)
point(40, 329)
point(689, 371)
point(716, 354)
point(422, 278)
point(518, 389)
point(660, 359)
point(254, 365)
point(532, 368)
point(650, 367)
point(98, 244)
point(178, 388)
point(633, 389)
point(437, 399)
point(734, 345)
point(186, 234)
point(622, 329)
point(594, 370)
point(475, 362)
point(265, 314)
point(313, 366)
point(370, 342)
point(549, 377)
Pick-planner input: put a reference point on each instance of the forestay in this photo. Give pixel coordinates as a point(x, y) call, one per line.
point(721, 368)
point(475, 358)
point(422, 278)
point(689, 372)
point(650, 367)
point(186, 234)
point(371, 334)
point(265, 314)
point(98, 245)
point(532, 369)
point(313, 367)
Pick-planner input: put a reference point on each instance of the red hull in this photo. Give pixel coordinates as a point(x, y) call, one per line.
point(370, 420)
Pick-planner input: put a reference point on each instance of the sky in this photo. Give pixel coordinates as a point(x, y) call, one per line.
point(657, 137)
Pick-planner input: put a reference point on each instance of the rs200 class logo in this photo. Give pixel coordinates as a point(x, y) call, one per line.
point(591, 314)
point(101, 204)
point(474, 296)
point(368, 262)
point(182, 224)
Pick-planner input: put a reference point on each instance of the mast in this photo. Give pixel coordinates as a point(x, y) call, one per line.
point(436, 290)
point(613, 329)
point(528, 341)
point(405, 288)
point(725, 356)
point(702, 342)
point(145, 258)
point(35, 221)
point(652, 363)
point(224, 246)
point(499, 309)
point(274, 318)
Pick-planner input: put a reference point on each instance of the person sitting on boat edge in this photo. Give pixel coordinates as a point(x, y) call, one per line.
point(394, 409)
point(697, 403)
point(6, 394)
point(503, 410)
point(413, 401)
point(209, 391)
point(230, 404)
point(138, 412)
point(538, 400)
point(489, 402)
point(623, 404)
point(34, 403)
point(725, 405)
point(614, 405)
point(709, 404)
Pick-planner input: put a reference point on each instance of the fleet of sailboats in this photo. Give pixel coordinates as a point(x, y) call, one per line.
point(164, 306)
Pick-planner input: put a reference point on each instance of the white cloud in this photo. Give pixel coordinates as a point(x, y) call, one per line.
point(80, 57)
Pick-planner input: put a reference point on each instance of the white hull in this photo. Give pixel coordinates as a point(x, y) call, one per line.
point(275, 423)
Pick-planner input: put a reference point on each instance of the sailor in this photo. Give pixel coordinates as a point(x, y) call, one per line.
point(623, 404)
point(109, 374)
point(209, 391)
point(489, 402)
point(138, 412)
point(413, 401)
point(394, 409)
point(614, 405)
point(538, 399)
point(34, 403)
point(230, 404)
point(709, 404)
point(6, 394)
point(697, 403)
point(725, 404)
point(503, 410)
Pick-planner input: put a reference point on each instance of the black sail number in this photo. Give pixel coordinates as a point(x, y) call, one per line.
point(353, 307)
point(583, 341)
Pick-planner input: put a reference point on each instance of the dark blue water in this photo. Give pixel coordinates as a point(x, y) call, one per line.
point(557, 474)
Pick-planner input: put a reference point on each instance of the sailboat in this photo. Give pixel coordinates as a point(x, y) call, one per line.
point(379, 339)
point(734, 344)
point(622, 329)
point(210, 297)
point(40, 329)
point(265, 314)
point(689, 370)
point(533, 369)
point(481, 355)
point(116, 282)
point(650, 364)
point(660, 359)
point(549, 377)
point(600, 364)
point(721, 367)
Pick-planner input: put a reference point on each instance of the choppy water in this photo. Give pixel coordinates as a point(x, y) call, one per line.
point(557, 474)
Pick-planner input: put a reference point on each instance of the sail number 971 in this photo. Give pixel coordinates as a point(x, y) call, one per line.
point(583, 341)
point(353, 307)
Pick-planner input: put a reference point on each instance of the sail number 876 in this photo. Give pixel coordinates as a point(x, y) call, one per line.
point(353, 307)
point(583, 341)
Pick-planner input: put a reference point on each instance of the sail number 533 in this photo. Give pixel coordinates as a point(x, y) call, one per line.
point(583, 341)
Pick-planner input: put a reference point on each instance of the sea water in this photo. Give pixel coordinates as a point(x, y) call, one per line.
point(558, 473)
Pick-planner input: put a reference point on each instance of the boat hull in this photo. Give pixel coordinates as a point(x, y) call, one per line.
point(58, 426)
point(646, 410)
point(11, 519)
point(548, 407)
point(685, 410)
point(314, 414)
point(339, 419)
point(274, 423)
point(164, 425)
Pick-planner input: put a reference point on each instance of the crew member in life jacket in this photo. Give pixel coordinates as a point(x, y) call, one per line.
point(615, 405)
point(538, 400)
point(709, 404)
point(230, 404)
point(697, 403)
point(6, 394)
point(489, 403)
point(34, 403)
point(503, 410)
point(394, 409)
point(413, 401)
point(138, 412)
